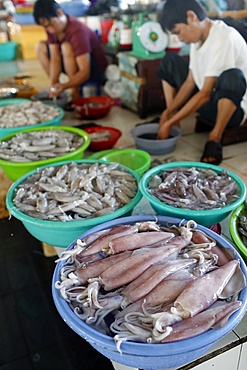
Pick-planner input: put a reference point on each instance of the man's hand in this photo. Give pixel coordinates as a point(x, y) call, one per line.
point(164, 125)
point(164, 131)
point(163, 118)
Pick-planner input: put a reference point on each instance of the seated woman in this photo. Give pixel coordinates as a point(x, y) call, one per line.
point(71, 47)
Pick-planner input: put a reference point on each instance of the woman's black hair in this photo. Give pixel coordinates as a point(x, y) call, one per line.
point(45, 9)
point(175, 11)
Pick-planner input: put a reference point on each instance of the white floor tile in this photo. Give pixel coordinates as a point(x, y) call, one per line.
point(225, 361)
point(243, 357)
point(118, 366)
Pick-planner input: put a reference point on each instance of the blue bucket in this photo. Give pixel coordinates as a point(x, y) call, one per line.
point(75, 8)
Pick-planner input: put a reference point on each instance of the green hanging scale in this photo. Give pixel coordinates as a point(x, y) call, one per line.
point(149, 40)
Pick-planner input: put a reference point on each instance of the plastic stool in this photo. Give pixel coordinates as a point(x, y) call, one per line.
point(90, 83)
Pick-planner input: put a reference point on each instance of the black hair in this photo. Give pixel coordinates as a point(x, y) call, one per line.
point(45, 9)
point(175, 11)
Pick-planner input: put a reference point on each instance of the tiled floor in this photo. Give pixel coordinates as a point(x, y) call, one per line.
point(33, 335)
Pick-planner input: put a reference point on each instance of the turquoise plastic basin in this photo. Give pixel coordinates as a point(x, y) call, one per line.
point(203, 217)
point(11, 130)
point(61, 234)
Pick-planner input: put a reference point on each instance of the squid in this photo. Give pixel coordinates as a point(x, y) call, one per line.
point(129, 269)
point(211, 318)
point(136, 241)
point(102, 242)
point(164, 293)
point(160, 285)
point(141, 286)
point(204, 291)
point(93, 270)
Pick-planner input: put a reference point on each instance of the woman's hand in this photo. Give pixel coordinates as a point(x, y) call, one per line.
point(55, 90)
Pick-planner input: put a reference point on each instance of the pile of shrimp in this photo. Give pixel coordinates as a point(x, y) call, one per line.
point(151, 283)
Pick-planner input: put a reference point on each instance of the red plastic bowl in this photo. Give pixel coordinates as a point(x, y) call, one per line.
point(93, 107)
point(96, 146)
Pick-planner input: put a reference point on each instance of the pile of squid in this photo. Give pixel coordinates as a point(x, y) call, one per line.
point(242, 224)
point(103, 135)
point(151, 283)
point(27, 114)
point(75, 191)
point(39, 145)
point(194, 188)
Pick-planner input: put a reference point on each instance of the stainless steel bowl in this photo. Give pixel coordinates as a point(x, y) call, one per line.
point(62, 100)
point(8, 92)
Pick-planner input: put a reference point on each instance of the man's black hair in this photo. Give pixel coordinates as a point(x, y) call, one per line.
point(45, 9)
point(175, 11)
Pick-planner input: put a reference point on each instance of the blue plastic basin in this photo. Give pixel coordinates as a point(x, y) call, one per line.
point(142, 355)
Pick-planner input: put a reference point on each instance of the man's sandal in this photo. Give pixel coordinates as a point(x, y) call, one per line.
point(212, 150)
